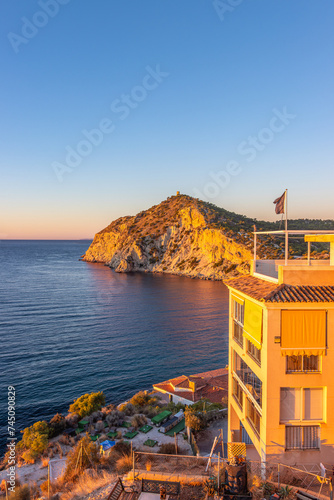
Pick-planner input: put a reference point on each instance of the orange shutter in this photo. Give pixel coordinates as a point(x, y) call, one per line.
point(303, 332)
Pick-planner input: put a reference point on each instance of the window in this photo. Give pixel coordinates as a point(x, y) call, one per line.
point(238, 312)
point(237, 333)
point(237, 392)
point(254, 352)
point(298, 437)
point(253, 416)
point(252, 383)
point(238, 321)
point(301, 404)
point(302, 363)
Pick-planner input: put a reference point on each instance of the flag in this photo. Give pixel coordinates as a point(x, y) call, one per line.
point(280, 204)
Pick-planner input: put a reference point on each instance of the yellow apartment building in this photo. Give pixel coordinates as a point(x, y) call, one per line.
point(281, 359)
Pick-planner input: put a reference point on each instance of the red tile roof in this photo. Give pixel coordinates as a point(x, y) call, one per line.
point(270, 292)
point(254, 287)
point(302, 293)
point(212, 385)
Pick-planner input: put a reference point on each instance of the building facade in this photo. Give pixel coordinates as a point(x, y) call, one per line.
point(281, 363)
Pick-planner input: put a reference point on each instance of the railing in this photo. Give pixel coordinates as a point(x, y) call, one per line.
point(189, 468)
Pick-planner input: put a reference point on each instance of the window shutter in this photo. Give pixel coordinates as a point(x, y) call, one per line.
point(253, 323)
point(303, 332)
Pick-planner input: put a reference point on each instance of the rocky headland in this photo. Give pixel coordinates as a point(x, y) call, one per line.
point(186, 236)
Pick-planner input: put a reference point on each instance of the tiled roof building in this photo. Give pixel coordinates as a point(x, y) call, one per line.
point(281, 360)
point(212, 385)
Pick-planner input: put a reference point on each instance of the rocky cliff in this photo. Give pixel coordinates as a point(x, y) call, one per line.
point(181, 235)
point(186, 236)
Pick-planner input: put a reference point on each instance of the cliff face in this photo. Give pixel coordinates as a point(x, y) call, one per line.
point(181, 235)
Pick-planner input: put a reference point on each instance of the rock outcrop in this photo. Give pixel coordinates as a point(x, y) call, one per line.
point(181, 235)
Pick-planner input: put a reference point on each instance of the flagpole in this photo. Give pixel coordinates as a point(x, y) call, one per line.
point(286, 228)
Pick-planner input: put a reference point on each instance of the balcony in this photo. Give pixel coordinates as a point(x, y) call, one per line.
point(289, 270)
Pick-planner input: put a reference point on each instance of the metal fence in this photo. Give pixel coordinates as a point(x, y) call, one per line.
point(195, 469)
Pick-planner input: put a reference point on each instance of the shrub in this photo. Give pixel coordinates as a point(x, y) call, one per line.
point(35, 440)
point(193, 420)
point(124, 464)
point(88, 457)
point(45, 487)
point(3, 485)
point(175, 408)
point(138, 421)
point(114, 418)
point(150, 411)
point(127, 409)
point(20, 493)
point(88, 403)
point(45, 462)
point(122, 448)
point(57, 424)
point(141, 399)
point(285, 491)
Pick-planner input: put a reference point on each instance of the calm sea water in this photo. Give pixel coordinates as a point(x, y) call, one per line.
point(69, 327)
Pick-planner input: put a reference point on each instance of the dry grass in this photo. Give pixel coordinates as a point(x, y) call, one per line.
point(59, 449)
point(44, 462)
point(124, 464)
point(87, 483)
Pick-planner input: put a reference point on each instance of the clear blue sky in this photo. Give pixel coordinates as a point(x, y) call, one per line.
point(186, 92)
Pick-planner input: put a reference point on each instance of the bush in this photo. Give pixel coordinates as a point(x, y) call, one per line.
point(138, 421)
point(150, 411)
point(114, 418)
point(193, 420)
point(45, 487)
point(21, 493)
point(122, 448)
point(88, 457)
point(35, 440)
point(124, 464)
point(127, 409)
point(142, 398)
point(88, 403)
point(206, 405)
point(175, 408)
point(57, 424)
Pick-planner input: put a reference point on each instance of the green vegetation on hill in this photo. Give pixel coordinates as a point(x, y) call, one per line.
point(34, 440)
point(87, 403)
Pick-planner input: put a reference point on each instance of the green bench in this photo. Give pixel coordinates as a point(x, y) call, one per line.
point(95, 438)
point(146, 428)
point(126, 424)
point(112, 435)
point(150, 443)
point(131, 435)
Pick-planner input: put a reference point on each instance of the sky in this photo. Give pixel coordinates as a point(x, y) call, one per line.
point(109, 107)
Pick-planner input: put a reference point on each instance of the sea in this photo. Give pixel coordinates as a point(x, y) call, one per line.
point(70, 327)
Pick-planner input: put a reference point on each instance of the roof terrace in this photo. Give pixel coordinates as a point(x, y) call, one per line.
point(296, 271)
